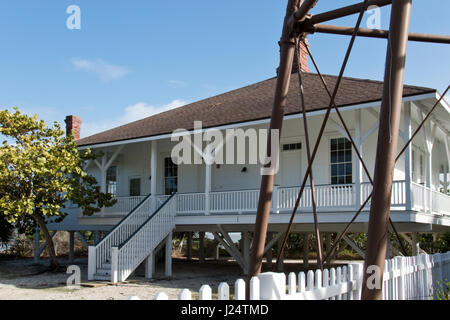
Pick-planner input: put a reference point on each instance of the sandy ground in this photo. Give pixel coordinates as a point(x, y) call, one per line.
point(23, 280)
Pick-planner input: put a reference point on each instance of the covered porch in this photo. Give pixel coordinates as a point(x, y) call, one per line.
point(133, 170)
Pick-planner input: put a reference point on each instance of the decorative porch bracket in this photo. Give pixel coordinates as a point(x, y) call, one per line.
point(42, 248)
point(228, 244)
point(354, 246)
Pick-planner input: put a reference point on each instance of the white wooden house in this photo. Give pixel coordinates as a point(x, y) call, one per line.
point(137, 168)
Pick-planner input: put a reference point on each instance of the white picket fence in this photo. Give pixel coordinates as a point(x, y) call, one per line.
point(404, 278)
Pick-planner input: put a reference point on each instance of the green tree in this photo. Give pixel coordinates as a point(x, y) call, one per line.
point(40, 171)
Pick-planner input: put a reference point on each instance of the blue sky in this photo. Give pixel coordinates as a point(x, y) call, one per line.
point(134, 58)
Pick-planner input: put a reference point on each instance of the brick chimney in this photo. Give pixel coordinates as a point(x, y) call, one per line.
point(73, 125)
point(303, 57)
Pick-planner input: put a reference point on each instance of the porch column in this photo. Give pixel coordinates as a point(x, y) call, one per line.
point(328, 244)
point(96, 237)
point(71, 245)
point(447, 150)
point(103, 174)
point(445, 179)
point(168, 264)
point(189, 246)
point(358, 167)
point(408, 155)
point(207, 186)
point(103, 179)
point(245, 246)
point(217, 252)
point(429, 173)
point(153, 168)
point(201, 247)
point(150, 265)
point(415, 243)
point(429, 139)
point(306, 251)
point(36, 245)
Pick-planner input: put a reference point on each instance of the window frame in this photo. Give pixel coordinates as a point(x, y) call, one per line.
point(166, 178)
point(116, 181)
point(293, 146)
point(330, 163)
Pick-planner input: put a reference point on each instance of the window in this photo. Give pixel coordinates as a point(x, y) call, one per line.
point(292, 146)
point(170, 176)
point(341, 161)
point(111, 180)
point(135, 187)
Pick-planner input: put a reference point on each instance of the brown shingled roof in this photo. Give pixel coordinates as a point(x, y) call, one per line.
point(249, 103)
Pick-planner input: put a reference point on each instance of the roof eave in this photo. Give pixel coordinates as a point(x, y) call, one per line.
point(368, 104)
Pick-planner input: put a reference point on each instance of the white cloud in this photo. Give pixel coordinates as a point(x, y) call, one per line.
point(106, 71)
point(131, 113)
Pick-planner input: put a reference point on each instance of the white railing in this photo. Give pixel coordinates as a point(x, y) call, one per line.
point(121, 232)
point(398, 196)
point(327, 196)
point(440, 202)
point(126, 257)
point(124, 204)
point(419, 197)
point(190, 203)
point(428, 200)
point(234, 201)
point(404, 278)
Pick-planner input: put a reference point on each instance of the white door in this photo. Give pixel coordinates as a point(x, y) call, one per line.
point(290, 168)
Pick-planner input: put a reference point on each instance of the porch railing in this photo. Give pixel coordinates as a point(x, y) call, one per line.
point(425, 199)
point(124, 204)
point(190, 203)
point(328, 198)
point(440, 202)
point(398, 197)
point(234, 201)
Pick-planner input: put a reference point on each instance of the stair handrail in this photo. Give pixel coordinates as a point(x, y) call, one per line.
point(125, 217)
point(146, 221)
point(103, 248)
point(121, 269)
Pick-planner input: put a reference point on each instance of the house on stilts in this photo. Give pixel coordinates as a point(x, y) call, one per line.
point(157, 197)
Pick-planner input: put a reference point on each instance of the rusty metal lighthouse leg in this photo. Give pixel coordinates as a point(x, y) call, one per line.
point(287, 48)
point(387, 146)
